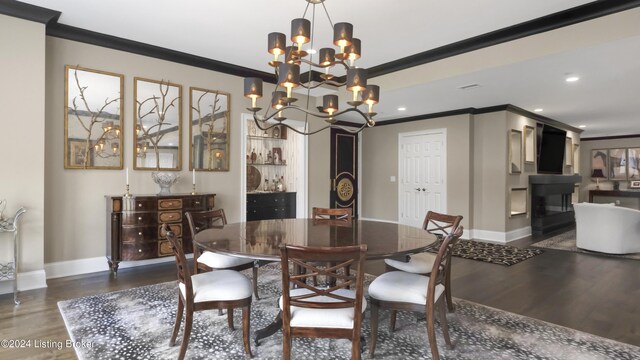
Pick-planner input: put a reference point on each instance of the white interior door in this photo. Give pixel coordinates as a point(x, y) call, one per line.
point(422, 176)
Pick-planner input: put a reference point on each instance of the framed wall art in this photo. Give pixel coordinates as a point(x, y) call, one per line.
point(93, 124)
point(618, 164)
point(633, 166)
point(209, 130)
point(599, 163)
point(157, 115)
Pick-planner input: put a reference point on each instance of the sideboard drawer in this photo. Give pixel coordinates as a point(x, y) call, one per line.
point(139, 218)
point(176, 228)
point(169, 204)
point(169, 216)
point(164, 247)
point(145, 204)
point(139, 234)
point(139, 251)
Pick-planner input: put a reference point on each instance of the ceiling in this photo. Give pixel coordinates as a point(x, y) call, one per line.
point(605, 99)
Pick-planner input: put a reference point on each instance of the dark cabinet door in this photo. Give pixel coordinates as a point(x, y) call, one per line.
point(344, 169)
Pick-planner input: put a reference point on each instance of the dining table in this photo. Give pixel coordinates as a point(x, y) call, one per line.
point(261, 240)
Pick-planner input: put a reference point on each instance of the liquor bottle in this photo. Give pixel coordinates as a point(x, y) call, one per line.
point(281, 186)
point(266, 185)
point(260, 159)
point(253, 156)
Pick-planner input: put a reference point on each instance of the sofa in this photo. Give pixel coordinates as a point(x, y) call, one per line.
point(607, 228)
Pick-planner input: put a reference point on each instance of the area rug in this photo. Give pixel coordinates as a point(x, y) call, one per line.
point(567, 242)
point(137, 324)
point(492, 253)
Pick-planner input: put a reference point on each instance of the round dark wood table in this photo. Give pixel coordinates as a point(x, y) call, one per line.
point(261, 239)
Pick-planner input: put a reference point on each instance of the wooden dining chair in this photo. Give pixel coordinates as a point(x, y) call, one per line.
point(325, 311)
point(332, 213)
point(404, 291)
point(223, 289)
point(208, 260)
point(422, 263)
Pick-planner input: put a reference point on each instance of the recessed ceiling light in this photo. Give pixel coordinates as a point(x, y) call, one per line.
point(537, 110)
point(582, 126)
point(402, 108)
point(572, 79)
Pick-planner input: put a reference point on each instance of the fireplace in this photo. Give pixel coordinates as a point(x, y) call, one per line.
point(551, 207)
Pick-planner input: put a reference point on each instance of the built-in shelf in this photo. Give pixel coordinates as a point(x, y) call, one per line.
point(518, 202)
point(264, 138)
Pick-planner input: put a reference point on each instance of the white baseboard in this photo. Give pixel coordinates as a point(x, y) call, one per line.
point(26, 281)
point(96, 264)
point(500, 237)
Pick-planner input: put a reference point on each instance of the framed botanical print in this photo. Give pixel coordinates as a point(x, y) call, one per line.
point(209, 124)
point(93, 124)
point(157, 114)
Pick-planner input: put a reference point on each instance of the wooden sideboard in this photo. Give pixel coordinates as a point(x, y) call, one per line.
point(134, 224)
point(628, 198)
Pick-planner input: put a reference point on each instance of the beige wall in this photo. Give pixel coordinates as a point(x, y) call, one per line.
point(319, 166)
point(75, 198)
point(585, 163)
point(489, 169)
point(379, 196)
point(22, 135)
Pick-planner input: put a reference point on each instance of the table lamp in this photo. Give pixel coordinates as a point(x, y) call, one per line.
point(597, 174)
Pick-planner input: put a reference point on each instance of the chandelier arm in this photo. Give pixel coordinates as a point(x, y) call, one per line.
point(321, 116)
point(327, 12)
point(305, 132)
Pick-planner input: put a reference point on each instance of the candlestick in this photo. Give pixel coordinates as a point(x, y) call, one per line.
point(127, 194)
point(193, 189)
point(194, 177)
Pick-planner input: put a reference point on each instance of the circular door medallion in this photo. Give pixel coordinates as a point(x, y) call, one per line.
point(345, 189)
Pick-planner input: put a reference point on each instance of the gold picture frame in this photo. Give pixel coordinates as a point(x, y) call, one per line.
point(93, 119)
point(209, 129)
point(157, 127)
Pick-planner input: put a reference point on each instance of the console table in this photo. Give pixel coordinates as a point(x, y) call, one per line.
point(9, 271)
point(134, 225)
point(629, 198)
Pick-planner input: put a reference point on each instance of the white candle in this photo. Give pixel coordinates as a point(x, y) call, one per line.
point(127, 175)
point(194, 176)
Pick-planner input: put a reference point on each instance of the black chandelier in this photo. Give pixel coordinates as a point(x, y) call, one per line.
point(287, 73)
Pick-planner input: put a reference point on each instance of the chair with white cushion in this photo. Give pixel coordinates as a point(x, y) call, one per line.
point(422, 263)
point(329, 310)
point(607, 228)
point(224, 289)
point(404, 291)
point(208, 260)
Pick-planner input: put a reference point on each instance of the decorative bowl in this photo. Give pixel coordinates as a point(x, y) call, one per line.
point(165, 180)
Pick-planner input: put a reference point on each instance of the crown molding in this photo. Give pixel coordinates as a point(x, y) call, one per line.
point(29, 12)
point(112, 42)
point(485, 110)
point(612, 137)
point(546, 23)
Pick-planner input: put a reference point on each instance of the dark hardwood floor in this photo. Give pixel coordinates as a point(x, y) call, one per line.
point(595, 294)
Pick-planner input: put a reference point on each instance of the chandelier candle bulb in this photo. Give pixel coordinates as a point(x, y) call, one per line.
point(276, 46)
point(300, 31)
point(289, 77)
point(253, 90)
point(342, 35)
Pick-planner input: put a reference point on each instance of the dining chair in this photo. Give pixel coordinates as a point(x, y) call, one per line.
point(422, 263)
point(208, 260)
point(329, 310)
point(332, 213)
point(223, 289)
point(405, 291)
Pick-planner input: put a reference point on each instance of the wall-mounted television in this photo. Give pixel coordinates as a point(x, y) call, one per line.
point(550, 149)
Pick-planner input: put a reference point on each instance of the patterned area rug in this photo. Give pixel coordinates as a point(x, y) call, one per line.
point(491, 253)
point(567, 242)
point(137, 324)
